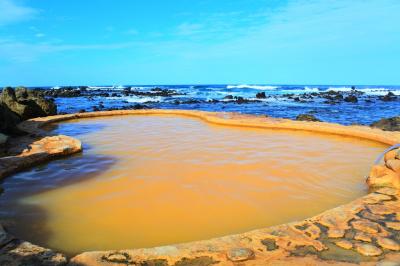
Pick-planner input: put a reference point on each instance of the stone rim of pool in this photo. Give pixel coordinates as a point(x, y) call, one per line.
point(365, 230)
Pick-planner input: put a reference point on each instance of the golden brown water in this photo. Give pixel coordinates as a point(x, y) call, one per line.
point(146, 181)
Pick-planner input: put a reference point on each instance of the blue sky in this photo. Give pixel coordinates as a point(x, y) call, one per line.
point(74, 42)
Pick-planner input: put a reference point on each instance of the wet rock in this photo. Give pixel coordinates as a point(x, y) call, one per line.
point(388, 97)
point(366, 226)
point(362, 237)
point(351, 99)
point(368, 250)
point(240, 254)
point(17, 253)
point(307, 117)
point(152, 93)
point(228, 97)
point(197, 261)
point(241, 100)
point(65, 92)
point(344, 244)
point(270, 244)
point(388, 124)
point(388, 243)
point(393, 225)
point(261, 95)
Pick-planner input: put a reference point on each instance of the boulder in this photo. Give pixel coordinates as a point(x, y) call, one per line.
point(3, 141)
point(388, 124)
point(307, 117)
point(27, 103)
point(261, 95)
point(390, 96)
point(8, 121)
point(351, 99)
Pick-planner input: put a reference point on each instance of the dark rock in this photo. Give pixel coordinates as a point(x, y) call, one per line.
point(228, 97)
point(388, 124)
point(241, 100)
point(8, 121)
point(351, 99)
point(261, 95)
point(388, 97)
point(65, 92)
point(26, 103)
point(307, 117)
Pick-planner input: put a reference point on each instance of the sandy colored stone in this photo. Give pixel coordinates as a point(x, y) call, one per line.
point(371, 216)
point(389, 191)
point(313, 231)
point(362, 237)
point(388, 178)
point(391, 155)
point(368, 250)
point(388, 243)
point(379, 171)
point(240, 254)
point(383, 209)
point(374, 198)
point(394, 165)
point(393, 225)
point(344, 244)
point(366, 226)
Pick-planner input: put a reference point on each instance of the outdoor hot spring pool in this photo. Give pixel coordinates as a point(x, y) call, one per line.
point(145, 181)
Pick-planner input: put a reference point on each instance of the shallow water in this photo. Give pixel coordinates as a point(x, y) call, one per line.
point(146, 181)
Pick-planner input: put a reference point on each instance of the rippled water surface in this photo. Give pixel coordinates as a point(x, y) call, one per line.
point(145, 181)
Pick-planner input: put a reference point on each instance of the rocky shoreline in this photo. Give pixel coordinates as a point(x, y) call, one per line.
point(365, 231)
point(107, 99)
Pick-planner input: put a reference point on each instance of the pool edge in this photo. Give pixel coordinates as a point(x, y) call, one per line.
point(305, 241)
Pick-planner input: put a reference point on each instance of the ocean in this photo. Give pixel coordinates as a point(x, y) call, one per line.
point(283, 101)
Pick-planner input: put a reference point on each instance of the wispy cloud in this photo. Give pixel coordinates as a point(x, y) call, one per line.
point(16, 51)
point(40, 35)
point(12, 12)
point(186, 29)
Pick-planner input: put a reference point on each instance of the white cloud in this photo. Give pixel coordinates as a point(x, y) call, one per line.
point(12, 12)
point(17, 51)
point(189, 28)
point(40, 35)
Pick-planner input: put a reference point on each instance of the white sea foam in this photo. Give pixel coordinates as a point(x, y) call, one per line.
point(257, 87)
point(379, 91)
point(134, 99)
point(343, 89)
point(99, 88)
point(309, 89)
point(369, 91)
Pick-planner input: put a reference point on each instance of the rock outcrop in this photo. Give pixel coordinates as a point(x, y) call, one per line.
point(27, 103)
point(307, 117)
point(388, 124)
point(387, 175)
point(8, 121)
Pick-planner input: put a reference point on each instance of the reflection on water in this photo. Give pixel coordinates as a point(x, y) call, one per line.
point(156, 180)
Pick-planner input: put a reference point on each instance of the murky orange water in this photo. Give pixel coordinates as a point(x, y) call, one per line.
point(145, 181)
